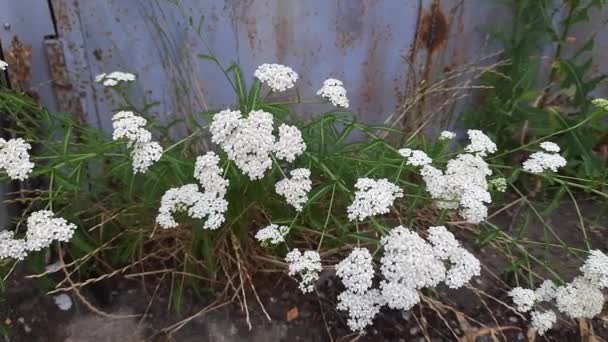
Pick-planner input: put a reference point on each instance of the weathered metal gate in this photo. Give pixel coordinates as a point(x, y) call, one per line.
point(383, 50)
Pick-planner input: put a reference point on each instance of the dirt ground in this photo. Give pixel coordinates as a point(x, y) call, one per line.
point(26, 314)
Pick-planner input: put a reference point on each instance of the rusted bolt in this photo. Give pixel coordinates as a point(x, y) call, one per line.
point(7, 26)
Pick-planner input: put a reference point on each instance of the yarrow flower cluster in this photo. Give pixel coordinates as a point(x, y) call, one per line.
point(114, 78)
point(276, 76)
point(602, 103)
point(209, 174)
point(15, 159)
point(272, 234)
point(334, 91)
point(373, 197)
point(447, 135)
point(42, 229)
point(145, 152)
point(290, 143)
point(463, 184)
point(499, 184)
point(197, 205)
point(296, 189)
point(581, 298)
point(541, 161)
point(415, 157)
point(3, 65)
point(249, 141)
point(409, 264)
point(307, 265)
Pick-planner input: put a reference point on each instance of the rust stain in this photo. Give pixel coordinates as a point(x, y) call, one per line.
point(20, 59)
point(432, 29)
point(62, 15)
point(68, 99)
point(282, 31)
point(252, 31)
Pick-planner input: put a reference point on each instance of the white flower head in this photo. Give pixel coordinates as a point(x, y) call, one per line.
point(334, 91)
point(209, 174)
point(499, 184)
point(197, 204)
point(11, 247)
point(296, 189)
point(145, 155)
point(399, 296)
point(447, 135)
point(579, 299)
point(373, 197)
point(272, 234)
point(540, 162)
point(523, 298)
point(546, 291)
point(15, 159)
point(127, 125)
point(542, 321)
point(130, 127)
point(415, 157)
point(356, 271)
point(290, 143)
point(602, 103)
point(481, 144)
point(409, 260)
point(278, 77)
point(595, 269)
point(43, 228)
point(114, 78)
point(550, 146)
point(3, 65)
point(247, 141)
point(463, 186)
point(306, 265)
point(463, 264)
point(361, 307)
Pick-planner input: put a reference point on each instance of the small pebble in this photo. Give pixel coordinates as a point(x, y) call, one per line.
point(414, 330)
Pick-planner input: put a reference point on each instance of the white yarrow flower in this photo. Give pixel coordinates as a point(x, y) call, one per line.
point(197, 204)
point(523, 298)
point(540, 162)
point(3, 65)
point(543, 321)
point(210, 175)
point(399, 296)
point(481, 144)
point(373, 197)
point(43, 228)
point(579, 299)
point(11, 247)
point(15, 159)
point(278, 77)
point(546, 291)
point(334, 91)
point(272, 234)
point(130, 127)
point(306, 265)
point(290, 143)
point(447, 135)
point(550, 146)
point(415, 157)
point(361, 307)
point(114, 78)
point(296, 189)
point(463, 264)
point(247, 141)
point(356, 271)
point(595, 269)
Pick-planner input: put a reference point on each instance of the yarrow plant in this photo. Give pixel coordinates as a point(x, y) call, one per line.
point(272, 234)
point(296, 189)
point(306, 265)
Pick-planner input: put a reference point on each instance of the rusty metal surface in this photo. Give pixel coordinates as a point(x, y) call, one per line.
point(385, 51)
